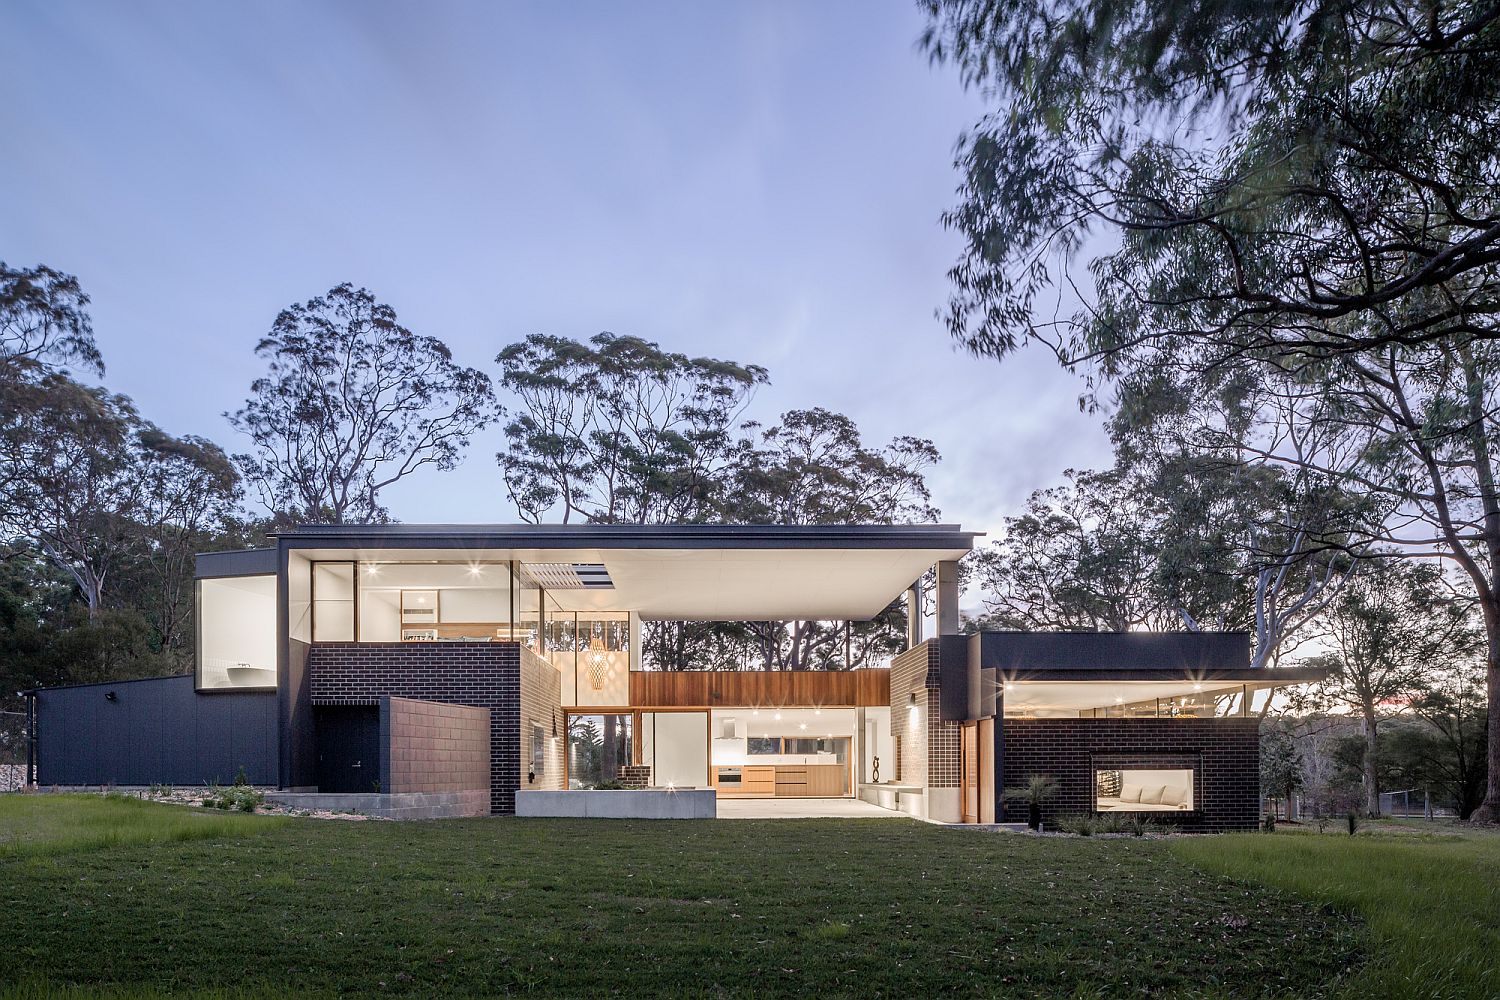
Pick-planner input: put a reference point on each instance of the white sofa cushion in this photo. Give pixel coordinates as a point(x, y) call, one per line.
point(1174, 795)
point(1130, 793)
point(1152, 794)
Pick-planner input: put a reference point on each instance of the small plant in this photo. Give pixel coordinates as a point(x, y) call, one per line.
point(1083, 824)
point(1268, 825)
point(240, 780)
point(1038, 789)
point(375, 786)
point(240, 797)
point(1353, 820)
point(609, 786)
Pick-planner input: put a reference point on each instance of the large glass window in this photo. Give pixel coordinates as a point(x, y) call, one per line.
point(591, 649)
point(333, 601)
point(1143, 789)
point(598, 746)
point(434, 602)
point(237, 632)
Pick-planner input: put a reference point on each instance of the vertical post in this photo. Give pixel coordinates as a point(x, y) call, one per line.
point(848, 662)
point(914, 615)
point(947, 597)
point(541, 621)
point(30, 738)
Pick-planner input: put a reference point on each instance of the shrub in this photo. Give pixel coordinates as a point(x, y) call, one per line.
point(1082, 824)
point(239, 797)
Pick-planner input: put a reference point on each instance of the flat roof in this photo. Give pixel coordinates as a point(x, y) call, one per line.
point(689, 572)
point(634, 536)
point(1117, 655)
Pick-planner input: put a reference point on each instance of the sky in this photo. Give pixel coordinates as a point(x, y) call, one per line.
point(758, 182)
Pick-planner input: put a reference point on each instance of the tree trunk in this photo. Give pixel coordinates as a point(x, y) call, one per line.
point(1489, 810)
point(1372, 750)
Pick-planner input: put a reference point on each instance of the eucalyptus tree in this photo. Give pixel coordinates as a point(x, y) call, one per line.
point(1082, 557)
point(814, 467)
point(1301, 199)
point(44, 322)
point(352, 402)
point(1392, 633)
point(91, 484)
point(616, 430)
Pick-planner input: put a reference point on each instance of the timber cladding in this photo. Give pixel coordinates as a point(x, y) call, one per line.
point(779, 688)
point(1224, 755)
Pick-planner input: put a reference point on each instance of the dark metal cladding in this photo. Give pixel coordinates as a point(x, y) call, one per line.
point(154, 731)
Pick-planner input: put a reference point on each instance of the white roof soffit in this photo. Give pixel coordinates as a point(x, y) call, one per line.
point(1069, 695)
point(707, 584)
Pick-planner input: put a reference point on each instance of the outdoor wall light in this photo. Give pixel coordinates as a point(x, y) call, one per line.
point(111, 696)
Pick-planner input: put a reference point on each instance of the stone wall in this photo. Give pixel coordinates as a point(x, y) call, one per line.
point(1224, 755)
point(430, 746)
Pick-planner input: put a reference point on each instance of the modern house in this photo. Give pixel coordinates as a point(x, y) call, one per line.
point(457, 665)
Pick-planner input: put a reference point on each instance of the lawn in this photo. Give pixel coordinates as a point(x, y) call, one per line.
point(555, 907)
point(31, 825)
point(1430, 897)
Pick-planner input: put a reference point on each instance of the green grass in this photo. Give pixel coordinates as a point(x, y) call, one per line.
point(568, 908)
point(1430, 900)
point(32, 825)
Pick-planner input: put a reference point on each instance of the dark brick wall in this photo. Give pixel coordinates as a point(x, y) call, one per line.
point(1224, 755)
point(480, 674)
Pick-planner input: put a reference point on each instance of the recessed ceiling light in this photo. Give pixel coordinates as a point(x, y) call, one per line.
point(755, 711)
point(777, 716)
point(802, 726)
point(817, 711)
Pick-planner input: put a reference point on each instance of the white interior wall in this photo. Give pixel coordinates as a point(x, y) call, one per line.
point(675, 744)
point(237, 622)
point(877, 742)
point(380, 616)
point(299, 597)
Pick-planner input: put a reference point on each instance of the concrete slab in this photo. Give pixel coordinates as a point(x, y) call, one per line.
point(682, 803)
point(804, 809)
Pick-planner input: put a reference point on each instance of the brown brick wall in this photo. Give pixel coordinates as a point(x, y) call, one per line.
point(434, 747)
point(1223, 753)
point(478, 674)
point(541, 704)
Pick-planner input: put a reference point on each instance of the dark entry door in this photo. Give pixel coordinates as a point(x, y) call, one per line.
point(348, 748)
point(968, 770)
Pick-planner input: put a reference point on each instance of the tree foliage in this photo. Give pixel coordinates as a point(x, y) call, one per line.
point(44, 322)
point(1393, 633)
point(352, 402)
point(1294, 206)
point(616, 430)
